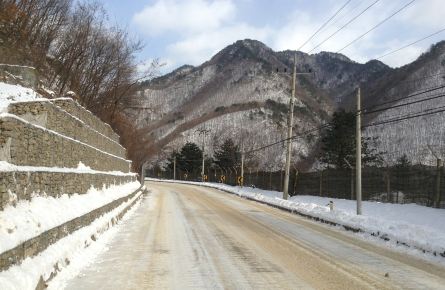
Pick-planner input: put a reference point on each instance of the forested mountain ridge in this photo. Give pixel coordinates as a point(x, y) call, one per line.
point(239, 94)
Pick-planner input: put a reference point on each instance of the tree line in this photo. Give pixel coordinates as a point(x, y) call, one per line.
point(227, 156)
point(337, 151)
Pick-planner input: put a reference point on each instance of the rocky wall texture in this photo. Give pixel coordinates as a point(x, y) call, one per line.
point(22, 143)
point(86, 116)
point(46, 114)
point(18, 74)
point(22, 185)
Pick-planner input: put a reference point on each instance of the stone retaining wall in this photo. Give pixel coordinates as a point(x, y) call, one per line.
point(25, 184)
point(22, 143)
point(18, 74)
point(38, 244)
point(86, 116)
point(46, 114)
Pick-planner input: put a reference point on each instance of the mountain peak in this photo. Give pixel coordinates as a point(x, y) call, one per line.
point(243, 49)
point(333, 55)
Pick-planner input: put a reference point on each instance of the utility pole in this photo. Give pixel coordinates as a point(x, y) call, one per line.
point(174, 168)
point(289, 129)
point(203, 132)
point(143, 172)
point(358, 157)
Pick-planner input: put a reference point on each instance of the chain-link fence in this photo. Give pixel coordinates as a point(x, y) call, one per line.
point(420, 184)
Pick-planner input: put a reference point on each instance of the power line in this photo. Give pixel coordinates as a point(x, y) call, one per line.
point(365, 112)
point(344, 15)
point(405, 104)
point(404, 98)
point(423, 78)
point(410, 44)
point(324, 24)
point(292, 138)
point(346, 24)
point(403, 118)
point(377, 25)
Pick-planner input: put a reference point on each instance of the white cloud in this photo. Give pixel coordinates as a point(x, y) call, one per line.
point(201, 28)
point(426, 14)
point(184, 16)
point(201, 46)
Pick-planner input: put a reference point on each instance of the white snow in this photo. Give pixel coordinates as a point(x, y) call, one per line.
point(13, 93)
point(81, 168)
point(416, 226)
point(27, 274)
point(28, 219)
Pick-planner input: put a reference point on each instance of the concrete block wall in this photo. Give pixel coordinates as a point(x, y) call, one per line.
point(24, 184)
point(22, 143)
point(36, 138)
point(52, 117)
point(86, 116)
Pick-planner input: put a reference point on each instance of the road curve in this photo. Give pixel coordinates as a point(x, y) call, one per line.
point(190, 237)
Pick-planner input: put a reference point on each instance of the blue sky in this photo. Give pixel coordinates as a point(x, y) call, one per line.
point(191, 31)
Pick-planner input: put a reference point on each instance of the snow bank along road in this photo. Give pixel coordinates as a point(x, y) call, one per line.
point(190, 237)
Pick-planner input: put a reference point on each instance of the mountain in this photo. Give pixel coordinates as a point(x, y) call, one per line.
point(243, 91)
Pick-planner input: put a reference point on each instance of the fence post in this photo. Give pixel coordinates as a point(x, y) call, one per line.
point(321, 182)
point(352, 183)
point(270, 180)
point(388, 183)
point(295, 182)
point(438, 177)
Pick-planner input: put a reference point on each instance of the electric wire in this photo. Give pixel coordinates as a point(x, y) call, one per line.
point(377, 25)
point(405, 97)
point(403, 118)
point(324, 24)
point(404, 104)
point(353, 9)
point(303, 134)
point(346, 24)
point(410, 44)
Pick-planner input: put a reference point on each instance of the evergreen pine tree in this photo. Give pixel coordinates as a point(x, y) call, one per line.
point(227, 155)
point(190, 158)
point(338, 143)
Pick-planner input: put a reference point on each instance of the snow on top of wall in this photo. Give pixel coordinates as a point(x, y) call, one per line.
point(81, 168)
point(28, 219)
point(13, 93)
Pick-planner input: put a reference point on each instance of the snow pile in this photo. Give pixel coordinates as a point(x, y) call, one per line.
point(409, 224)
point(15, 93)
point(28, 219)
point(59, 255)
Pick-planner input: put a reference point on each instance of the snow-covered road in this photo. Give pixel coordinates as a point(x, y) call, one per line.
point(190, 237)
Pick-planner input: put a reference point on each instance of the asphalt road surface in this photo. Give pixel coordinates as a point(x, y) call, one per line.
point(190, 237)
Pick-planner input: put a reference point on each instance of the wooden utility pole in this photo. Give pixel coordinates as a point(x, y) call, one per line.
point(289, 128)
point(358, 157)
point(203, 132)
point(289, 131)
